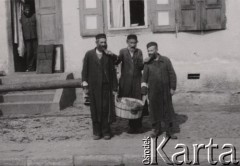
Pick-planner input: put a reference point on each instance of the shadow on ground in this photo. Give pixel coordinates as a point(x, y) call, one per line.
point(179, 120)
point(121, 125)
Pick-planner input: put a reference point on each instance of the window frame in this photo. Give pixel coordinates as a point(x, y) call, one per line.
point(103, 12)
point(146, 19)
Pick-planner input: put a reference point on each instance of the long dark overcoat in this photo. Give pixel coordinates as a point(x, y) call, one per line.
point(92, 73)
point(131, 73)
point(160, 77)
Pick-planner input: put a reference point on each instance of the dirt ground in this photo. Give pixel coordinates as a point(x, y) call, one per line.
point(75, 124)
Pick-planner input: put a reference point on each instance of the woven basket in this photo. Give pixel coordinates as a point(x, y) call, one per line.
point(124, 111)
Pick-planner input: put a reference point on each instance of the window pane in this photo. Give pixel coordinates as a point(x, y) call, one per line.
point(91, 4)
point(187, 2)
point(209, 2)
point(117, 13)
point(163, 18)
point(163, 2)
point(126, 13)
point(137, 12)
point(91, 22)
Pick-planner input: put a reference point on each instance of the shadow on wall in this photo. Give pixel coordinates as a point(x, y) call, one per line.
point(201, 33)
point(68, 95)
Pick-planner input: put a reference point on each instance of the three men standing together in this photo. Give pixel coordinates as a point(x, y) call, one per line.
point(158, 81)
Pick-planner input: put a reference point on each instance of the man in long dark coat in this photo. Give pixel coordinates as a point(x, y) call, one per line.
point(131, 59)
point(159, 81)
point(99, 77)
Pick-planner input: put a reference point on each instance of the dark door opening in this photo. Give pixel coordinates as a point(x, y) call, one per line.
point(19, 44)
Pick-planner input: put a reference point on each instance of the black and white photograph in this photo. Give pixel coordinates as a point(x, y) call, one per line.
point(119, 82)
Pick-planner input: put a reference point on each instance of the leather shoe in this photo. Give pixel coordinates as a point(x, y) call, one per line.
point(107, 137)
point(96, 137)
point(155, 133)
point(172, 136)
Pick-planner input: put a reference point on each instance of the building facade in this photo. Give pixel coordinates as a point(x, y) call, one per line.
point(201, 37)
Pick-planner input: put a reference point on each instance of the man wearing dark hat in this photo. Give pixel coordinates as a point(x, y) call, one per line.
point(159, 82)
point(131, 59)
point(100, 80)
point(29, 27)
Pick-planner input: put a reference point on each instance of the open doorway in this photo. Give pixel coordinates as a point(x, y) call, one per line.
point(24, 30)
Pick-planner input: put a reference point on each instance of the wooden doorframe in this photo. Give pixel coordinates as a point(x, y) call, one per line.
point(10, 30)
point(11, 63)
point(11, 68)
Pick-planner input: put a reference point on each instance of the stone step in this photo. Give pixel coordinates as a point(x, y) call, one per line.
point(28, 77)
point(27, 96)
point(36, 101)
point(27, 108)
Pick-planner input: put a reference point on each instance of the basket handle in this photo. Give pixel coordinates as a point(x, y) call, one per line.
point(144, 98)
point(116, 98)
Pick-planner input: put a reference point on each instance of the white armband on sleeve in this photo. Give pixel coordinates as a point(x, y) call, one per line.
point(84, 83)
point(144, 84)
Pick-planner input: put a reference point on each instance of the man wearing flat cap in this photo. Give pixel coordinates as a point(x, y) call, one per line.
point(100, 80)
point(131, 59)
point(159, 82)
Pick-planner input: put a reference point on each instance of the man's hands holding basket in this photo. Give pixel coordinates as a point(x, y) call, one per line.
point(136, 109)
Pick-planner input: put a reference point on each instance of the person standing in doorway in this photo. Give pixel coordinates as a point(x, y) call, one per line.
point(100, 81)
point(159, 81)
point(131, 59)
point(29, 27)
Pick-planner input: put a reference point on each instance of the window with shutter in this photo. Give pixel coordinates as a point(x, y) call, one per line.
point(91, 17)
point(49, 20)
point(188, 17)
point(201, 15)
point(214, 15)
point(126, 14)
point(162, 15)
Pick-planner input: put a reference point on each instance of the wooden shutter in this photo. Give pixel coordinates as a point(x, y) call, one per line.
point(213, 16)
point(91, 17)
point(49, 21)
point(45, 59)
point(162, 15)
point(189, 15)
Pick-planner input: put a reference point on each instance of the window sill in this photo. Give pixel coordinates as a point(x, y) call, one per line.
point(128, 28)
point(126, 31)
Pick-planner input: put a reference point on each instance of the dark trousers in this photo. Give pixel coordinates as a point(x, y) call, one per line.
point(31, 53)
point(102, 128)
point(135, 123)
point(158, 126)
